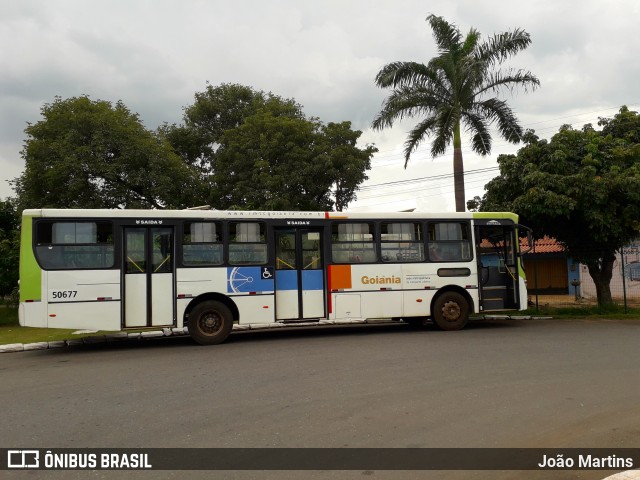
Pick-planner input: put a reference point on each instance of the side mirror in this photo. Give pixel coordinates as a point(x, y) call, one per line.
point(530, 240)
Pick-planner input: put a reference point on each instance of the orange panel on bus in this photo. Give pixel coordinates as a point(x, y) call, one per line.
point(339, 277)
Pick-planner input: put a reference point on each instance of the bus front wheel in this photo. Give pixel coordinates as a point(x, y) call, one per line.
point(451, 311)
point(210, 323)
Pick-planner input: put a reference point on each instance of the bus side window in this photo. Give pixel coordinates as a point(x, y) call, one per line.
point(74, 245)
point(449, 242)
point(247, 243)
point(353, 243)
point(402, 242)
point(202, 244)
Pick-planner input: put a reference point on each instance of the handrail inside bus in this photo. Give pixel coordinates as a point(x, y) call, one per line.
point(280, 262)
point(135, 264)
point(163, 262)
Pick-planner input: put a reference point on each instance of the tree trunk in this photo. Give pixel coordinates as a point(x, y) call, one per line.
point(458, 170)
point(601, 272)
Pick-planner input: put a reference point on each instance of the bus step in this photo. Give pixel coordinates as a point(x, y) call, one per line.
point(301, 320)
point(493, 304)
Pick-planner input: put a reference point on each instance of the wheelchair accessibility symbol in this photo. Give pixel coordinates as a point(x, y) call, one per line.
point(250, 279)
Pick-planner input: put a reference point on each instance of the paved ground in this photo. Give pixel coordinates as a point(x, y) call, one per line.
point(547, 384)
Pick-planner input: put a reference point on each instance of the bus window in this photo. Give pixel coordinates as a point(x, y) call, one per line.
point(71, 245)
point(285, 251)
point(247, 243)
point(402, 242)
point(202, 244)
point(449, 242)
point(353, 243)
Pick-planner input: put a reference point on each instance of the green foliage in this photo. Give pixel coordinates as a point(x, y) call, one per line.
point(347, 162)
point(284, 163)
point(226, 106)
point(215, 111)
point(265, 163)
point(453, 90)
point(9, 248)
point(92, 154)
point(256, 150)
point(582, 187)
point(8, 316)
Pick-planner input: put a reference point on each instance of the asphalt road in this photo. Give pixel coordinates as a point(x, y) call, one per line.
point(529, 383)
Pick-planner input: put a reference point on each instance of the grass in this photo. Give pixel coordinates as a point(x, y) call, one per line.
point(17, 334)
point(590, 311)
point(8, 316)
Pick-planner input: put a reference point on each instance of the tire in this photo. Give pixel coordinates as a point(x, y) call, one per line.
point(210, 323)
point(451, 311)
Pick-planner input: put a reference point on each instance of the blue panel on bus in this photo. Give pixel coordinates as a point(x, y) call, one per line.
point(286, 279)
point(249, 279)
point(312, 280)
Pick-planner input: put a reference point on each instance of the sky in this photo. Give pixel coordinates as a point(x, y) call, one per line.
point(155, 55)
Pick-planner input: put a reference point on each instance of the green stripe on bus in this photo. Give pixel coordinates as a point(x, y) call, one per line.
point(30, 272)
point(496, 215)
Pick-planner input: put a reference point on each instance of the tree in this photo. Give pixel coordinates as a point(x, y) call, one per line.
point(92, 154)
point(257, 150)
point(216, 110)
point(266, 163)
point(285, 163)
point(9, 247)
point(453, 90)
point(582, 187)
point(349, 163)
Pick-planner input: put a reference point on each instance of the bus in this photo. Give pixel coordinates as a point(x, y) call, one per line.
point(213, 271)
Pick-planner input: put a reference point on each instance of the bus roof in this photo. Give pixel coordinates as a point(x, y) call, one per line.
point(254, 214)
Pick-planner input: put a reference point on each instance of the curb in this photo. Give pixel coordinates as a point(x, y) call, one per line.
point(173, 332)
point(93, 340)
point(509, 317)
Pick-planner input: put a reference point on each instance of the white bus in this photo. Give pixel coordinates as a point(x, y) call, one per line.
point(213, 271)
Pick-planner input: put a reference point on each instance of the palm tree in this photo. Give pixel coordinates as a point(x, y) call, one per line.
point(454, 89)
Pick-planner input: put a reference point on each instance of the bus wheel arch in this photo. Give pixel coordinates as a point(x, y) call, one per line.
point(210, 318)
point(450, 308)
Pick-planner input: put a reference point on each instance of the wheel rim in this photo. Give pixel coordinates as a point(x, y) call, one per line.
point(451, 312)
point(210, 323)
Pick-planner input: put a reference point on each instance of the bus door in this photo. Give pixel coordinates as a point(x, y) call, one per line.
point(497, 266)
point(148, 268)
point(299, 274)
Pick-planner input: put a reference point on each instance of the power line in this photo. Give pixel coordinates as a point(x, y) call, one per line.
point(443, 193)
point(444, 176)
point(475, 182)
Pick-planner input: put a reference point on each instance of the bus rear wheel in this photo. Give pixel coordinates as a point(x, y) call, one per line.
point(210, 323)
point(451, 311)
